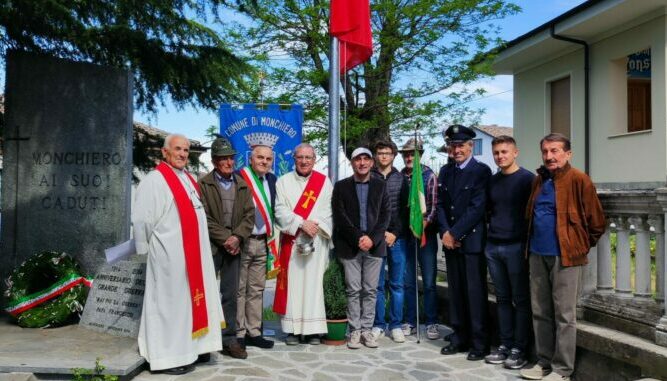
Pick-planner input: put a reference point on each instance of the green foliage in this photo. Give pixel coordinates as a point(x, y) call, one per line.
point(269, 315)
point(422, 48)
point(162, 42)
point(335, 297)
point(81, 374)
point(34, 277)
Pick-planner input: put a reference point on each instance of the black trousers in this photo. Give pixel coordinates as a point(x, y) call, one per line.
point(468, 299)
point(230, 266)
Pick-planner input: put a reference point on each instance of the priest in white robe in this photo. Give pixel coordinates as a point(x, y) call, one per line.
point(303, 310)
point(182, 315)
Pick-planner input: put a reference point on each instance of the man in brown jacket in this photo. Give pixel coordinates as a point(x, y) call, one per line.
point(230, 214)
point(565, 219)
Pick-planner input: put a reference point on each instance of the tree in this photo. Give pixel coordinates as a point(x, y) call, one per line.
point(159, 41)
point(421, 48)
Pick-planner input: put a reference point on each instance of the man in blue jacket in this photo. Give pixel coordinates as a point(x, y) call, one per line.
point(461, 210)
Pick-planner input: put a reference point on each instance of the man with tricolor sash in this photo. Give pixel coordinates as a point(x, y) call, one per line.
point(231, 217)
point(260, 249)
point(303, 215)
point(182, 315)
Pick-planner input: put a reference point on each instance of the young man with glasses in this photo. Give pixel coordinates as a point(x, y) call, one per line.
point(397, 191)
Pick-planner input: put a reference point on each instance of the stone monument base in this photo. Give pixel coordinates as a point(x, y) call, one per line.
point(56, 351)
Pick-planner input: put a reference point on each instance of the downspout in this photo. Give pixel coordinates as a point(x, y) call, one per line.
point(586, 93)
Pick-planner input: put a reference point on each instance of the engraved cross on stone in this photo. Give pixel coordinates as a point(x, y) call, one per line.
point(309, 197)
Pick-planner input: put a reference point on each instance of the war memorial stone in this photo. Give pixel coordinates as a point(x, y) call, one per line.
point(67, 160)
point(115, 301)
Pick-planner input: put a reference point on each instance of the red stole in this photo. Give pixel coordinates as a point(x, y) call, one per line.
point(191, 248)
point(302, 208)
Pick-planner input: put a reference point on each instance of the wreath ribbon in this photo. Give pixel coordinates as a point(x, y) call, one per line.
point(28, 302)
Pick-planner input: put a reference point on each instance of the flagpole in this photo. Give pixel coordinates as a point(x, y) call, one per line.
point(334, 109)
point(417, 242)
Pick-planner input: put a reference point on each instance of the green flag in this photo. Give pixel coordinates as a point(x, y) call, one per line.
point(417, 199)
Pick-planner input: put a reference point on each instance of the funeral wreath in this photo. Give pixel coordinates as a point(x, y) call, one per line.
point(45, 290)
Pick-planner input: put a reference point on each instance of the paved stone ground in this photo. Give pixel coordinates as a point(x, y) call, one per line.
point(391, 361)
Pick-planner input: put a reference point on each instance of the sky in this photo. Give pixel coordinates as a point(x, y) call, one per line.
point(497, 102)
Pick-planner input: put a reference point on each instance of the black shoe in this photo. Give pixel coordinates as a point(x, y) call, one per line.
point(475, 355)
point(203, 358)
point(498, 356)
point(451, 349)
point(241, 341)
point(177, 370)
point(291, 339)
point(258, 341)
point(235, 350)
point(313, 339)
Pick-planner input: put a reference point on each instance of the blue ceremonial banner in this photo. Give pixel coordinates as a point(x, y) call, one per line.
point(279, 128)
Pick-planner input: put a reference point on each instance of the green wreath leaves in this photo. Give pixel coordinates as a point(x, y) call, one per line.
point(45, 290)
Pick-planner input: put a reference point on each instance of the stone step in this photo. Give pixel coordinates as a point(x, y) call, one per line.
point(60, 350)
point(633, 354)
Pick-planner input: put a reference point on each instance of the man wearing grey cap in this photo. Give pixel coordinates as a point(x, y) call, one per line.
point(230, 214)
point(461, 210)
point(360, 208)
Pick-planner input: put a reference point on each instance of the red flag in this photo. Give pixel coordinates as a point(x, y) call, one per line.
point(350, 21)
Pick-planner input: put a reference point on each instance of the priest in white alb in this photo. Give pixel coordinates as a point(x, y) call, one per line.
point(303, 216)
point(182, 315)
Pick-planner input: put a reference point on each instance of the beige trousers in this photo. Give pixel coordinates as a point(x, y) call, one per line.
point(252, 277)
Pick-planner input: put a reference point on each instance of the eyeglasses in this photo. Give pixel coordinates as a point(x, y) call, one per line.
point(304, 158)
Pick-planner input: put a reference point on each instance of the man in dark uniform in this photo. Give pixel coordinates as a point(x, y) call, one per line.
point(461, 210)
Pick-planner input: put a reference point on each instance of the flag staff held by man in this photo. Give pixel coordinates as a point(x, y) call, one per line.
point(417, 207)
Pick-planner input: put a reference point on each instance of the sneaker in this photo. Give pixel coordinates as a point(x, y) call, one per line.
point(535, 372)
point(354, 342)
point(368, 339)
point(516, 359)
point(553, 376)
point(377, 332)
point(432, 332)
point(408, 329)
point(397, 335)
point(498, 356)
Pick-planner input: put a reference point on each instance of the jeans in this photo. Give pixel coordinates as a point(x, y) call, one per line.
point(429, 268)
point(509, 270)
point(396, 259)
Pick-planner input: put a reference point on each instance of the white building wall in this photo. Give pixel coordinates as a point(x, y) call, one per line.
point(532, 107)
point(617, 158)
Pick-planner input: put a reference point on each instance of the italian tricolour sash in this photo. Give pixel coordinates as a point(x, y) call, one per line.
point(302, 208)
point(263, 204)
point(191, 248)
